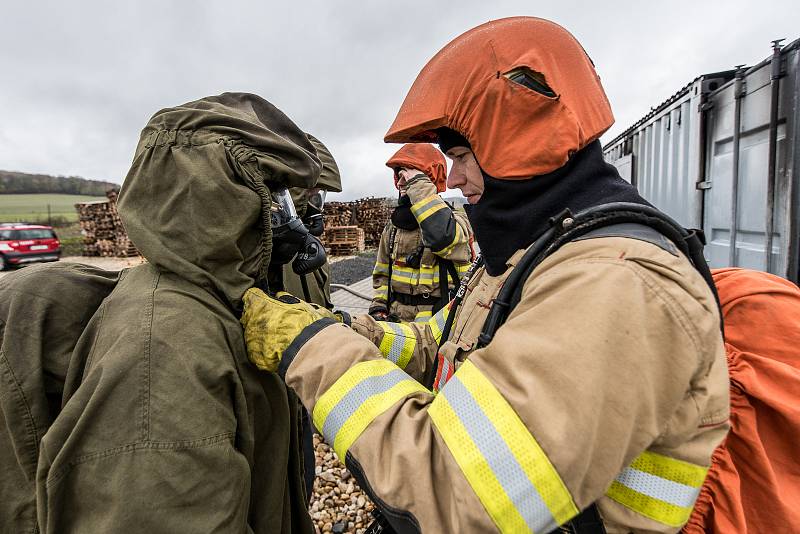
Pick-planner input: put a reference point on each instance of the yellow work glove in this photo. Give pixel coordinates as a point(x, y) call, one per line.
point(272, 323)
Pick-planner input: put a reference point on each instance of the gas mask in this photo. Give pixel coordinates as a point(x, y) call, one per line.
point(315, 202)
point(291, 240)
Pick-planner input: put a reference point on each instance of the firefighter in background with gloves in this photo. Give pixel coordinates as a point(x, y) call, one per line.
point(165, 426)
point(425, 243)
point(598, 402)
point(315, 286)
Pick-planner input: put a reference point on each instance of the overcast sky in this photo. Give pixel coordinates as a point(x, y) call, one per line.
point(79, 79)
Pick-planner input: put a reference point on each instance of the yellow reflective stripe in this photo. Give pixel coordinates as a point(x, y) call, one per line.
point(475, 468)
point(430, 211)
point(436, 323)
point(360, 395)
point(462, 268)
point(381, 292)
point(659, 487)
point(380, 269)
point(398, 342)
point(407, 275)
point(457, 238)
point(503, 463)
point(425, 205)
point(423, 317)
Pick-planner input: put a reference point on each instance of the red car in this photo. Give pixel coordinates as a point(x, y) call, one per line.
point(25, 243)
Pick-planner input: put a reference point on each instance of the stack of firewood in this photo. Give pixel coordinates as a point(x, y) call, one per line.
point(344, 240)
point(368, 214)
point(103, 234)
point(372, 214)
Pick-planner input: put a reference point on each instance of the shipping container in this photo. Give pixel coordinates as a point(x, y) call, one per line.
point(722, 154)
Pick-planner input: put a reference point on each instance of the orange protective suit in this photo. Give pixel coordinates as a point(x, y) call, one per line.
point(754, 481)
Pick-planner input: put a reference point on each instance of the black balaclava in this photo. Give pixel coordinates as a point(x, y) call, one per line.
point(402, 217)
point(511, 214)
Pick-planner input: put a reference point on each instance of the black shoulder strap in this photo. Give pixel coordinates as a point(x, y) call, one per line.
point(392, 235)
point(566, 227)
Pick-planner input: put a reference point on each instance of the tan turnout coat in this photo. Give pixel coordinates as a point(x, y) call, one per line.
point(606, 384)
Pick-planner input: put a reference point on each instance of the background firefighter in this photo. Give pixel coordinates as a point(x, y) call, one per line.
point(606, 387)
point(424, 243)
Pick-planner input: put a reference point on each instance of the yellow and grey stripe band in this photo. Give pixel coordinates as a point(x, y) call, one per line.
point(381, 292)
point(505, 466)
point(458, 237)
point(380, 269)
point(398, 342)
point(659, 487)
point(407, 275)
point(427, 207)
point(437, 322)
point(360, 395)
point(423, 317)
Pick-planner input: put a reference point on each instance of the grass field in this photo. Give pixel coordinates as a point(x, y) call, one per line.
point(34, 208)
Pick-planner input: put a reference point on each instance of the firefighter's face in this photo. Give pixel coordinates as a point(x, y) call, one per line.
point(465, 173)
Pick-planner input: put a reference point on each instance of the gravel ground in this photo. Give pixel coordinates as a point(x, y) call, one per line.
point(352, 269)
point(337, 505)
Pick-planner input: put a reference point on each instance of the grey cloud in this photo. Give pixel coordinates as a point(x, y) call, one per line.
point(82, 78)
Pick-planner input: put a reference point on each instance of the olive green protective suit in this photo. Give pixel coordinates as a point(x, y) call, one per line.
point(170, 428)
point(314, 287)
point(43, 311)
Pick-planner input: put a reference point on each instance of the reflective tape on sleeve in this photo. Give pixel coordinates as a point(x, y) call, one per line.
point(463, 268)
point(380, 269)
point(381, 292)
point(423, 317)
point(502, 461)
point(427, 207)
point(659, 487)
point(398, 342)
point(437, 322)
point(458, 237)
point(360, 395)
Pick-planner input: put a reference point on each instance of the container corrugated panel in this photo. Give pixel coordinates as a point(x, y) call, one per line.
point(681, 157)
point(752, 203)
point(659, 155)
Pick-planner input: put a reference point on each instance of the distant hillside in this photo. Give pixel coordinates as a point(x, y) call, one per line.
point(20, 182)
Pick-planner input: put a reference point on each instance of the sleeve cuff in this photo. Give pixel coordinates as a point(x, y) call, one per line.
point(305, 335)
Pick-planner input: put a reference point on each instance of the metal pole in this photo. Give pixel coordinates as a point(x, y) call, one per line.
point(738, 93)
point(773, 149)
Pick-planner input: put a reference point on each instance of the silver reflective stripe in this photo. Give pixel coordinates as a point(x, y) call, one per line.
point(443, 375)
point(502, 461)
point(373, 385)
point(399, 339)
point(419, 210)
point(658, 488)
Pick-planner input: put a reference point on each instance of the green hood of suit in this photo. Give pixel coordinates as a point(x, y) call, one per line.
point(195, 201)
point(329, 178)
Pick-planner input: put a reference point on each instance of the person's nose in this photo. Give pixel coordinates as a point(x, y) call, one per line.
point(455, 179)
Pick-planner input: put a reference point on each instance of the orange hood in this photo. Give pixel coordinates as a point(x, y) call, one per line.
point(515, 132)
point(422, 157)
